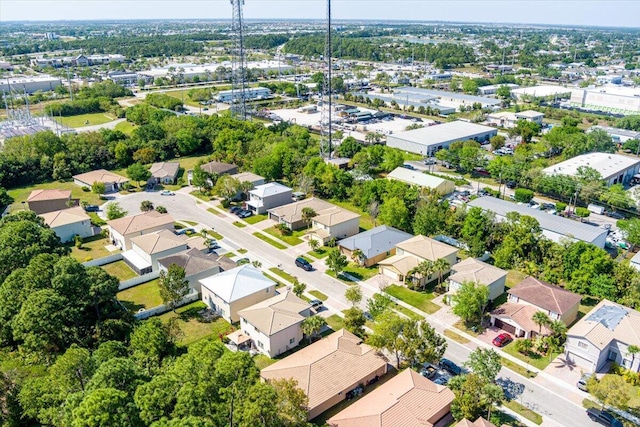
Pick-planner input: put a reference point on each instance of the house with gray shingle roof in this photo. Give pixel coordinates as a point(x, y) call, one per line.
point(376, 244)
point(196, 265)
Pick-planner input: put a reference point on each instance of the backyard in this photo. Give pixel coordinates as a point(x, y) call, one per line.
point(193, 327)
point(92, 247)
point(139, 297)
point(120, 270)
point(420, 300)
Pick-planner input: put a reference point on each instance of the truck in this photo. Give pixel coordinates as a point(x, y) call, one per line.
point(596, 209)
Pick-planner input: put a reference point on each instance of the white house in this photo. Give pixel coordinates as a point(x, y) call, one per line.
point(334, 223)
point(231, 291)
point(481, 273)
point(67, 223)
point(605, 335)
point(148, 248)
point(268, 196)
point(121, 230)
point(275, 325)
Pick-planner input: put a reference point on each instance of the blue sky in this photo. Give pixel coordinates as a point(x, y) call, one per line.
point(571, 12)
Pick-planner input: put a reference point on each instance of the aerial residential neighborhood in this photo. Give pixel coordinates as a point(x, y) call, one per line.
point(331, 214)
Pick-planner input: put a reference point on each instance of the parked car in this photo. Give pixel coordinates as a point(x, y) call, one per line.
point(428, 371)
point(235, 209)
point(430, 161)
point(91, 208)
point(185, 231)
point(408, 166)
point(316, 303)
point(582, 382)
point(502, 340)
point(303, 264)
point(442, 378)
point(167, 193)
point(512, 184)
point(603, 417)
point(450, 366)
point(614, 215)
point(245, 214)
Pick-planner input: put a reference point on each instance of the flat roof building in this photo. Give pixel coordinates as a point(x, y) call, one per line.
point(614, 168)
point(428, 140)
point(618, 135)
point(415, 177)
point(493, 89)
point(553, 227)
point(447, 99)
point(29, 84)
point(542, 92)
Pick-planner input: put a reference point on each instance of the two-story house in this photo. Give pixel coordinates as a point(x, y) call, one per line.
point(605, 335)
point(71, 222)
point(481, 273)
point(121, 230)
point(527, 298)
point(268, 196)
point(196, 265)
point(334, 223)
point(147, 249)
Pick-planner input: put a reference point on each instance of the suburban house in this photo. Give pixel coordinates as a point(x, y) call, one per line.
point(71, 222)
point(268, 196)
point(530, 296)
point(476, 271)
point(406, 400)
point(112, 182)
point(164, 173)
point(233, 290)
point(291, 214)
point(218, 168)
point(251, 177)
point(480, 422)
point(275, 325)
point(375, 244)
point(334, 223)
point(329, 369)
point(121, 230)
point(43, 201)
point(148, 248)
point(196, 265)
point(423, 180)
point(412, 252)
point(605, 335)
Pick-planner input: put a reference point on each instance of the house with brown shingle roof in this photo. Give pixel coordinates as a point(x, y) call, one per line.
point(43, 201)
point(605, 335)
point(328, 369)
point(412, 252)
point(406, 400)
point(196, 265)
point(112, 182)
point(219, 168)
point(164, 173)
point(147, 249)
point(530, 296)
point(121, 230)
point(481, 273)
point(68, 223)
point(480, 422)
point(275, 325)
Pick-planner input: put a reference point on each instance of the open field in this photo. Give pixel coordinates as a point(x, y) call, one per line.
point(86, 119)
point(192, 326)
point(120, 270)
point(144, 296)
point(126, 127)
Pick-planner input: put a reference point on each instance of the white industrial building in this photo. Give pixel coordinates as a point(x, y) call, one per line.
point(614, 168)
point(29, 84)
point(610, 99)
point(406, 100)
point(428, 140)
point(493, 89)
point(558, 92)
point(618, 135)
point(555, 228)
point(249, 93)
point(446, 99)
point(507, 119)
point(207, 71)
point(413, 177)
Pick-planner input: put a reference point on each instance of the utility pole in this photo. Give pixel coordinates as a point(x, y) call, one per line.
point(69, 81)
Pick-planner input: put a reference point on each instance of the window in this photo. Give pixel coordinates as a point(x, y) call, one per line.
point(268, 290)
point(553, 315)
point(583, 345)
point(292, 340)
point(260, 344)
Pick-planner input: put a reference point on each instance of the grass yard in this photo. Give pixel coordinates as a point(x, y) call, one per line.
point(359, 272)
point(420, 300)
point(215, 234)
point(524, 411)
point(264, 238)
point(120, 270)
point(182, 95)
point(262, 361)
point(283, 274)
point(86, 119)
point(93, 247)
point(517, 368)
point(319, 295)
point(255, 219)
point(143, 296)
point(335, 322)
point(126, 127)
point(404, 310)
point(20, 194)
point(293, 239)
point(455, 336)
point(229, 254)
point(241, 225)
point(320, 253)
point(242, 251)
point(514, 277)
point(193, 327)
point(534, 359)
point(366, 221)
point(191, 223)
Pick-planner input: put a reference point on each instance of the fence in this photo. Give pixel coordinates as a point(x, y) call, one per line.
point(138, 280)
point(103, 261)
point(145, 314)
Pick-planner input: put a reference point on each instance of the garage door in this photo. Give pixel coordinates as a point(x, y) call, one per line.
point(505, 326)
point(390, 273)
point(579, 361)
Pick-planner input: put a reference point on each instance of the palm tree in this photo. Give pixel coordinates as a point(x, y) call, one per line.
point(441, 265)
point(426, 268)
point(559, 329)
point(633, 350)
point(540, 318)
point(307, 214)
point(312, 325)
point(358, 256)
point(314, 244)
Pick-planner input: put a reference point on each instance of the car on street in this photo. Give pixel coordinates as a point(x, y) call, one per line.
point(614, 215)
point(512, 184)
point(185, 231)
point(603, 417)
point(502, 340)
point(245, 214)
point(430, 161)
point(167, 193)
point(582, 382)
point(91, 208)
point(316, 303)
point(408, 166)
point(450, 366)
point(303, 264)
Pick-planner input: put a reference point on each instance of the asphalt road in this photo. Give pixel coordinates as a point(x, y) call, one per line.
point(551, 404)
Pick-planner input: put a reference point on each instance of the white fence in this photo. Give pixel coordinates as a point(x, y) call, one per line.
point(103, 261)
point(138, 280)
point(144, 314)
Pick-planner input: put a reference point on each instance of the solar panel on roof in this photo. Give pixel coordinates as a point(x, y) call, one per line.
point(609, 316)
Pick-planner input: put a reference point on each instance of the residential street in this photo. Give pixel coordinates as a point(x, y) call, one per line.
point(553, 405)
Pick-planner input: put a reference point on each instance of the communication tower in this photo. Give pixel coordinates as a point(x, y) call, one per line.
point(326, 125)
point(238, 63)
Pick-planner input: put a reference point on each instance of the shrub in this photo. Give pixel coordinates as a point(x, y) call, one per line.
point(86, 189)
point(225, 203)
point(560, 206)
point(523, 195)
point(161, 209)
point(582, 212)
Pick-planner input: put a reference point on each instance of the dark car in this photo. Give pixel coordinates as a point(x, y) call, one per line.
point(502, 340)
point(512, 184)
point(91, 208)
point(428, 371)
point(245, 214)
point(408, 166)
point(448, 365)
point(303, 264)
point(235, 209)
point(603, 417)
point(614, 215)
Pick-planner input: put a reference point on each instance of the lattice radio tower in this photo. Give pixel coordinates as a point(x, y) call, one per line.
point(326, 125)
point(238, 63)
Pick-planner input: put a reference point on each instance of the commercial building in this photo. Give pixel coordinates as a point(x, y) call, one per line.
point(406, 100)
point(428, 140)
point(618, 136)
point(493, 89)
point(207, 72)
point(614, 168)
point(609, 99)
point(250, 93)
point(553, 227)
point(557, 92)
point(414, 177)
point(507, 119)
point(29, 84)
point(79, 60)
point(447, 99)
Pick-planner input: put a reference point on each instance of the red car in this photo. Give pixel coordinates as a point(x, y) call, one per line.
point(502, 340)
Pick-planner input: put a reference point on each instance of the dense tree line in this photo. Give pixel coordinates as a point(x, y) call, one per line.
point(265, 41)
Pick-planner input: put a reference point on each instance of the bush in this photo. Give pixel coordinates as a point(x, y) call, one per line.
point(582, 212)
point(86, 189)
point(560, 206)
point(225, 203)
point(523, 195)
point(491, 191)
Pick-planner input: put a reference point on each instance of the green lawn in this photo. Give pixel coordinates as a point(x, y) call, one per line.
point(420, 300)
point(524, 411)
point(455, 336)
point(359, 272)
point(93, 247)
point(514, 277)
point(335, 322)
point(293, 239)
point(283, 274)
point(534, 359)
point(20, 194)
point(255, 219)
point(229, 254)
point(242, 251)
point(126, 127)
point(272, 242)
point(404, 310)
point(182, 95)
point(193, 327)
point(320, 253)
point(241, 225)
point(262, 361)
point(515, 367)
point(319, 295)
point(144, 296)
point(120, 270)
point(86, 120)
point(279, 284)
point(191, 223)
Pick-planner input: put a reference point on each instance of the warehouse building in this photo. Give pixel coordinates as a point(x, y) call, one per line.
point(555, 228)
point(29, 84)
point(447, 99)
point(609, 99)
point(428, 140)
point(405, 101)
point(618, 136)
point(557, 92)
point(614, 168)
point(493, 89)
point(413, 177)
point(249, 93)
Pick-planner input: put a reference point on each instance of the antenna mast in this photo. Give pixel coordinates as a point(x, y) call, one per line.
point(238, 64)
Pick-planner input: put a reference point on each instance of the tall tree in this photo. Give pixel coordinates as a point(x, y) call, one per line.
point(312, 325)
point(137, 172)
point(541, 319)
point(173, 286)
point(307, 214)
point(485, 362)
point(354, 320)
point(470, 301)
point(353, 294)
point(336, 261)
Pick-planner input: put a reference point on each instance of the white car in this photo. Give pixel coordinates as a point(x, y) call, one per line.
point(167, 193)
